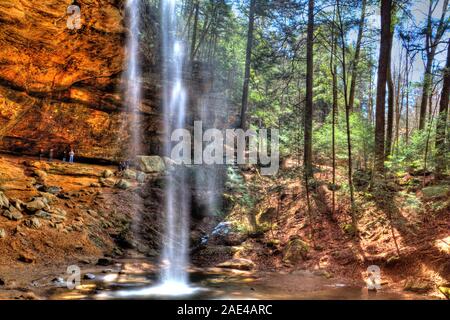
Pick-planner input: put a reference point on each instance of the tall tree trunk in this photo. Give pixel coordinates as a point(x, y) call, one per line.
point(333, 68)
point(194, 31)
point(430, 48)
point(347, 121)
point(307, 157)
point(390, 114)
point(383, 65)
point(356, 57)
point(248, 58)
point(441, 127)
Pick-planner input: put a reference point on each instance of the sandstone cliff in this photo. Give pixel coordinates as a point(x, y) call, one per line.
point(62, 87)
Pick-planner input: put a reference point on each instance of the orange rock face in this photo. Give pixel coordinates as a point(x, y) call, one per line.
point(61, 87)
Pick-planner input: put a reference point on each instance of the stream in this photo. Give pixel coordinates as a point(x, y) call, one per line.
point(139, 278)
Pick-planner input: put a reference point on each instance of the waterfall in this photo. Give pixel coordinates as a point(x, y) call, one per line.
point(177, 207)
point(132, 81)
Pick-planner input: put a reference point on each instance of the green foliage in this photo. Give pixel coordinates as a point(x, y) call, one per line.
point(411, 156)
point(362, 137)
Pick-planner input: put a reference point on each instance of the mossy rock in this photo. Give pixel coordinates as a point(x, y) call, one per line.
point(349, 229)
point(417, 285)
point(268, 215)
point(435, 192)
point(296, 250)
point(445, 291)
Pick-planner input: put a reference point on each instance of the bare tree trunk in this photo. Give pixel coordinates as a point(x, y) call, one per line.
point(248, 58)
point(347, 120)
point(194, 31)
point(333, 68)
point(357, 54)
point(307, 157)
point(390, 114)
point(383, 65)
point(441, 144)
point(430, 48)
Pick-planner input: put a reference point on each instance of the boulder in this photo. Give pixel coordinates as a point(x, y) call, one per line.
point(33, 223)
point(140, 177)
point(150, 164)
point(434, 192)
point(36, 204)
point(238, 264)
point(107, 173)
point(2, 233)
point(123, 184)
point(296, 250)
point(4, 202)
point(445, 291)
point(129, 174)
point(12, 214)
point(107, 182)
point(417, 285)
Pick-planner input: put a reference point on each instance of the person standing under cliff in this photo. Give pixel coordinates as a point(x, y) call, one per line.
point(50, 155)
point(71, 155)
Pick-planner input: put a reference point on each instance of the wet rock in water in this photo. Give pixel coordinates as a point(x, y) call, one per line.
point(417, 285)
point(123, 184)
point(107, 173)
point(36, 205)
point(105, 262)
point(4, 202)
point(150, 164)
point(435, 192)
point(2, 234)
point(33, 223)
point(129, 174)
point(59, 282)
point(296, 250)
point(89, 276)
point(26, 258)
point(238, 264)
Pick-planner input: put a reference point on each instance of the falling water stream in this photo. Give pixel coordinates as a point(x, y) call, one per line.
point(177, 207)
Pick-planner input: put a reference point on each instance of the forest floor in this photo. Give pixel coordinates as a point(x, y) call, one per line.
point(90, 223)
point(403, 228)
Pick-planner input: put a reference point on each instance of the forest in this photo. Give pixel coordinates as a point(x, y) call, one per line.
point(356, 90)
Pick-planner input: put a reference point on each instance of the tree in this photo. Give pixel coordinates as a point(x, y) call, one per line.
point(357, 54)
point(441, 148)
point(383, 66)
point(248, 58)
point(309, 91)
point(431, 44)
